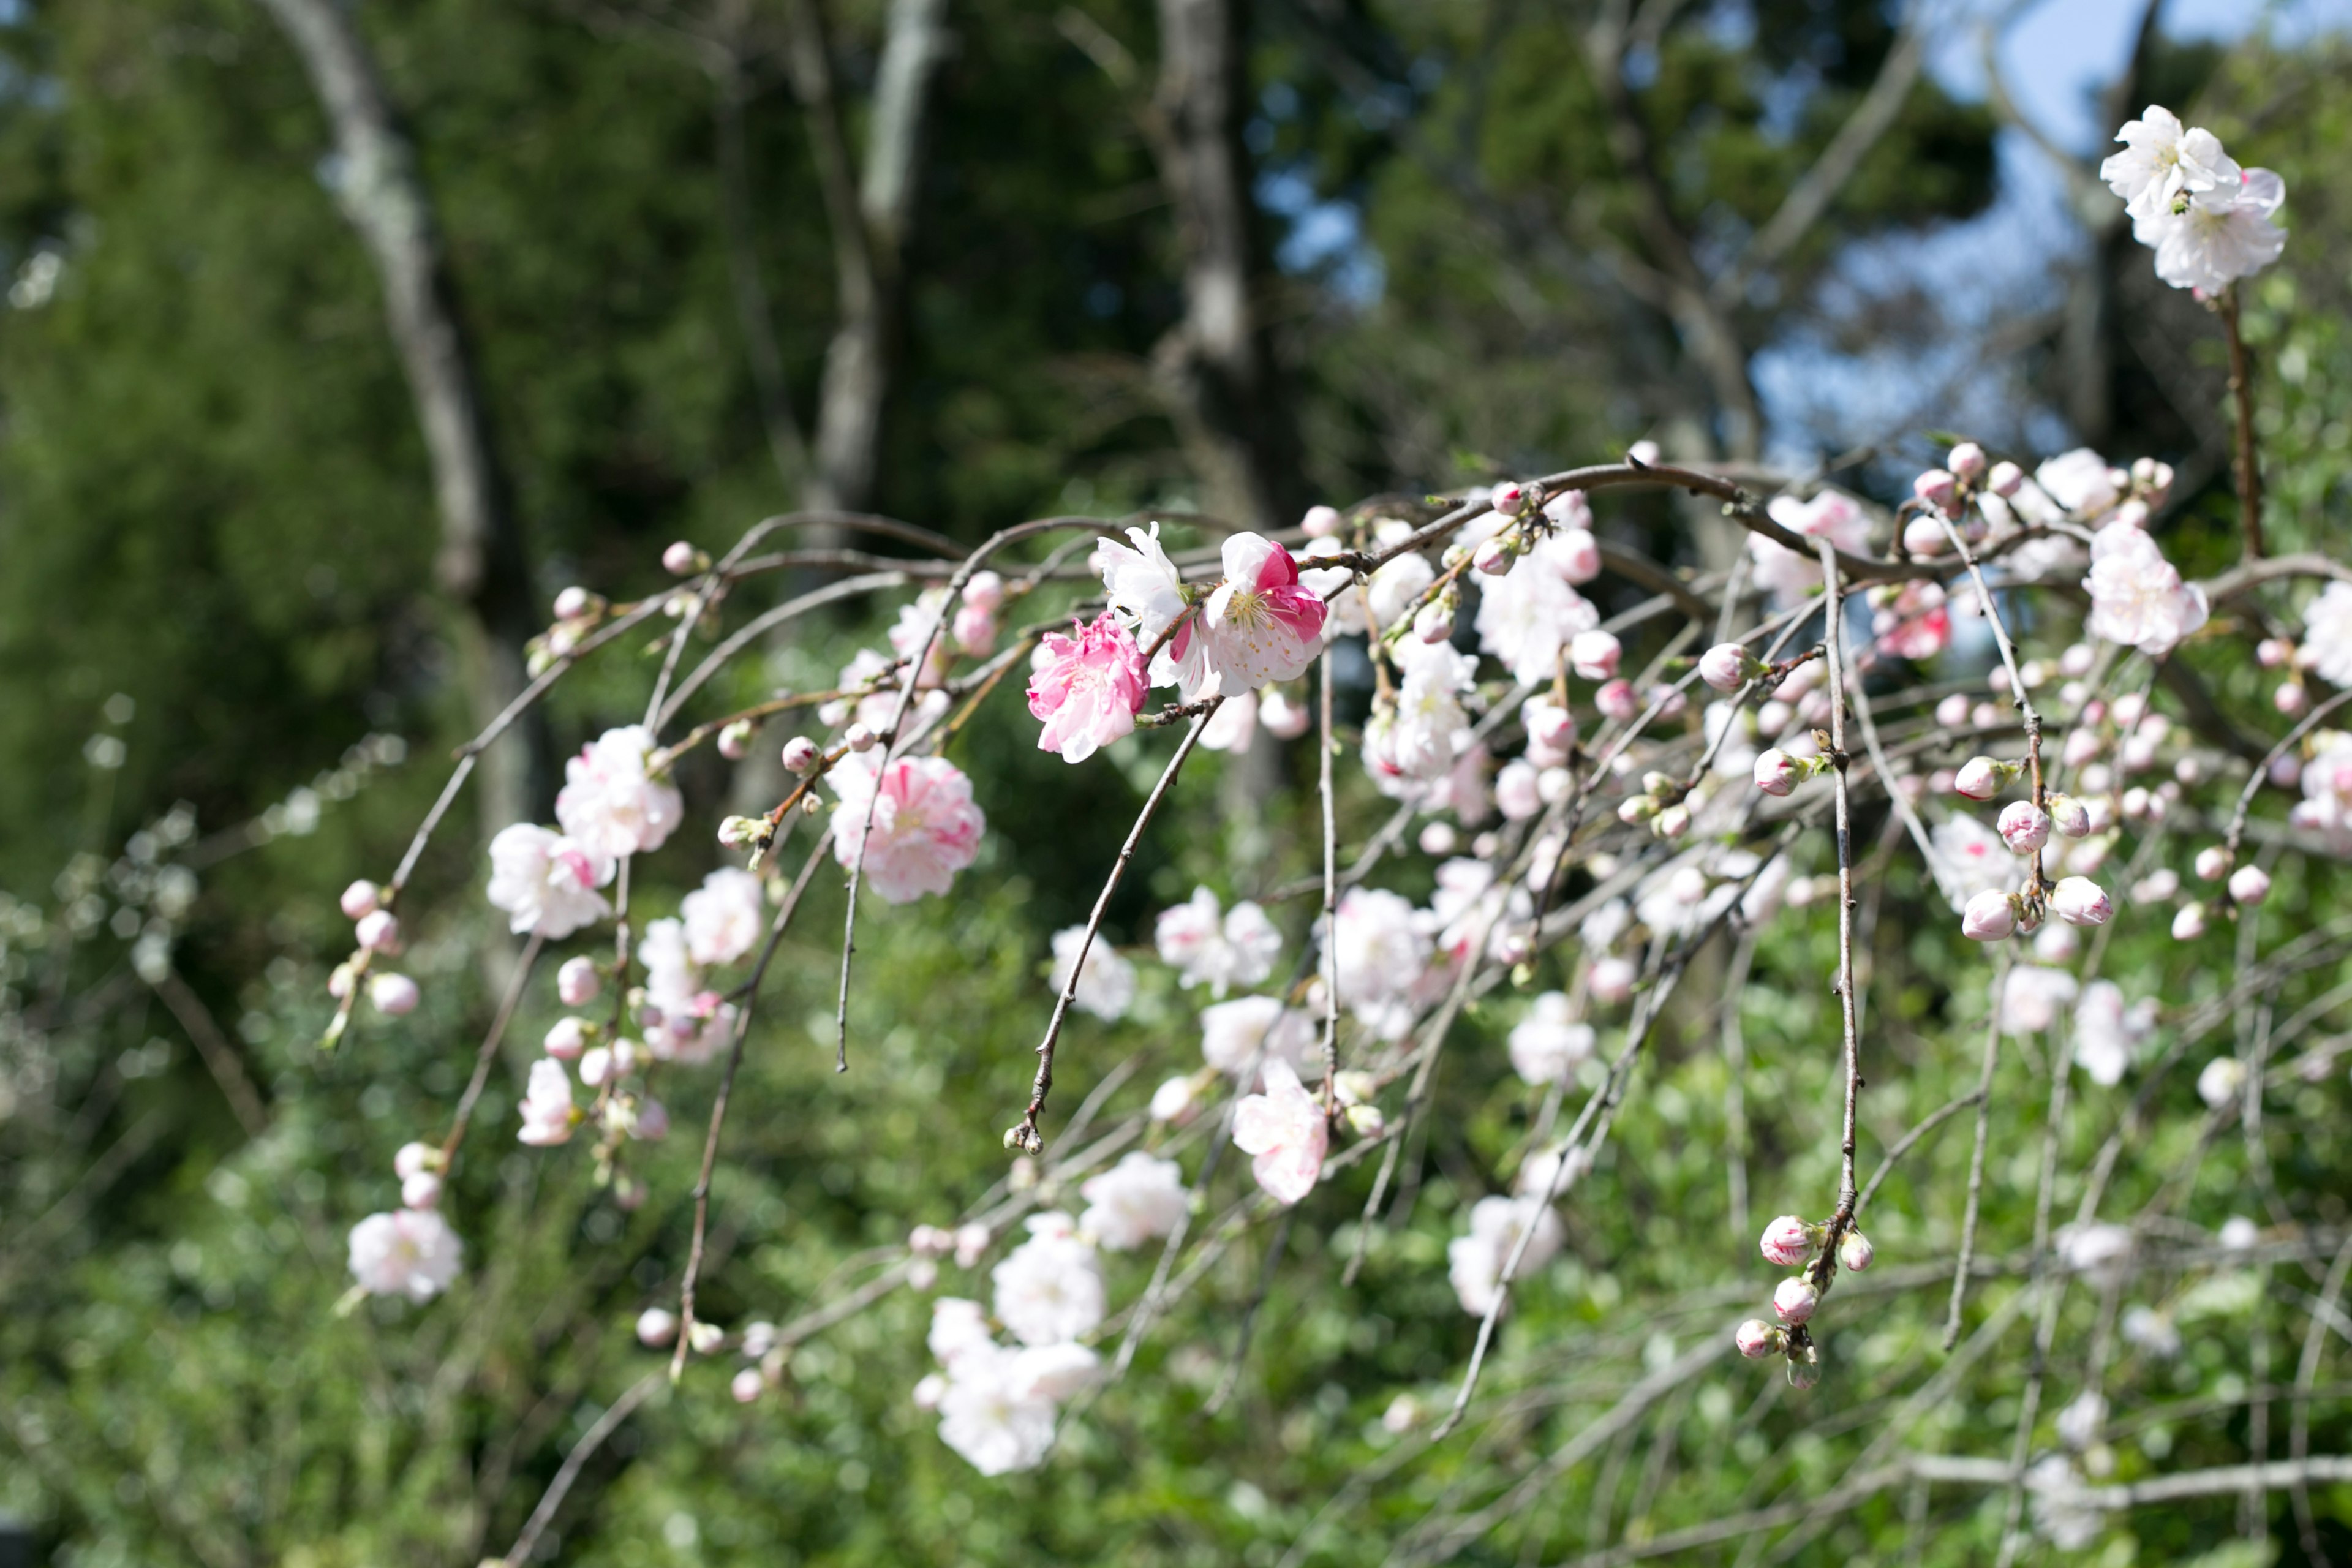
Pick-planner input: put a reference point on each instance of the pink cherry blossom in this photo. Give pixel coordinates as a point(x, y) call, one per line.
point(724, 917)
point(1285, 1130)
point(1262, 624)
point(1089, 689)
point(547, 1105)
point(1756, 1338)
point(411, 1253)
point(925, 826)
point(610, 806)
point(2136, 596)
point(1989, 917)
point(1787, 1241)
point(546, 881)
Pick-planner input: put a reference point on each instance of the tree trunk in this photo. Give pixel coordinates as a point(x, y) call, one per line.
point(481, 565)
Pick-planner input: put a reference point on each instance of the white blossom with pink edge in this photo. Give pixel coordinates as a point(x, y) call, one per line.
point(926, 825)
point(1136, 1200)
point(610, 804)
point(1239, 949)
point(410, 1252)
point(724, 917)
point(1088, 690)
point(546, 882)
point(1261, 623)
point(1284, 1132)
point(2138, 597)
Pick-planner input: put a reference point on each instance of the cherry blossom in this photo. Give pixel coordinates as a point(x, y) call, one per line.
point(1381, 950)
point(2326, 645)
point(2219, 235)
point(610, 804)
point(1090, 688)
point(1049, 1288)
point(1418, 736)
point(1134, 1201)
point(1261, 623)
point(1474, 1260)
point(1548, 1044)
point(1527, 618)
point(723, 917)
point(1285, 1132)
point(1142, 587)
point(2032, 998)
point(1000, 1423)
point(2162, 161)
point(547, 1105)
point(925, 826)
point(2136, 596)
point(1239, 951)
point(1832, 515)
point(1239, 1036)
point(2106, 1031)
point(547, 882)
point(1233, 726)
point(410, 1252)
point(1106, 981)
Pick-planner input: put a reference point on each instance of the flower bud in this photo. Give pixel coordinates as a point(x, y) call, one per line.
point(1594, 655)
point(2080, 901)
point(421, 1191)
point(1507, 495)
point(1550, 729)
point(1967, 461)
point(2272, 652)
point(651, 1124)
point(380, 931)
point(2188, 922)
point(567, 1038)
point(1434, 623)
point(2221, 1081)
point(1726, 666)
point(1924, 537)
point(1805, 1370)
point(394, 995)
point(1618, 701)
point(1610, 979)
point(415, 1157)
point(2291, 699)
point(360, 899)
point(1937, 489)
point(1637, 808)
point(985, 592)
point(573, 603)
point(577, 983)
point(1321, 522)
point(1366, 1120)
point(678, 559)
point(2069, 816)
point(975, 630)
point(1439, 838)
point(1953, 711)
point(2212, 863)
point(1788, 1241)
point(1575, 554)
point(705, 1337)
point(735, 740)
point(1980, 778)
point(1671, 823)
point(1855, 1251)
point(1794, 1300)
point(2005, 479)
point(1777, 772)
point(657, 1327)
point(1493, 558)
point(2248, 885)
point(2024, 827)
point(596, 1066)
point(1989, 917)
point(1757, 1339)
point(746, 1385)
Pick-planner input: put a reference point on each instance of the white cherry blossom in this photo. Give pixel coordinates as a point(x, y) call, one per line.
point(409, 1252)
point(1140, 1198)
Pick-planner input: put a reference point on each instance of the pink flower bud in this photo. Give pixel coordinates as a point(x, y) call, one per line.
point(1787, 1241)
point(360, 899)
point(1575, 554)
point(678, 559)
point(801, 754)
point(1493, 558)
point(1550, 729)
point(1794, 1300)
point(2005, 479)
point(2212, 863)
point(746, 1385)
point(2286, 771)
point(415, 1157)
point(2291, 699)
point(1777, 772)
point(567, 1038)
point(1671, 823)
point(380, 931)
point(975, 630)
point(859, 738)
point(1726, 666)
point(1366, 1120)
point(1953, 711)
point(2188, 922)
point(1617, 700)
point(1937, 489)
point(1434, 621)
point(1989, 917)
point(1757, 1339)
point(2024, 827)
point(596, 1067)
point(1980, 778)
point(1610, 979)
point(1439, 838)
point(984, 592)
point(1321, 522)
point(651, 1123)
point(2272, 652)
point(421, 1191)
point(573, 603)
point(1507, 495)
point(657, 1327)
point(1636, 809)
point(1924, 537)
point(970, 1244)
point(2069, 816)
point(1967, 461)
point(394, 995)
point(2080, 901)
point(577, 983)
point(1855, 1251)
point(2249, 885)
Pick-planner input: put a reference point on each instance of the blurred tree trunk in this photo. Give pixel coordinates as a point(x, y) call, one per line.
point(482, 564)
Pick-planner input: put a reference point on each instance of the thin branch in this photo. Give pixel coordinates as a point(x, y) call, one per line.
point(518, 1554)
point(489, 1051)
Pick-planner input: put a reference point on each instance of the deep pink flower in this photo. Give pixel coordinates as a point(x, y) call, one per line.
point(1262, 624)
point(1089, 688)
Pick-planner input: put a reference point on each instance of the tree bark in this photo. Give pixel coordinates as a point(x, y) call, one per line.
point(482, 566)
point(1216, 369)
